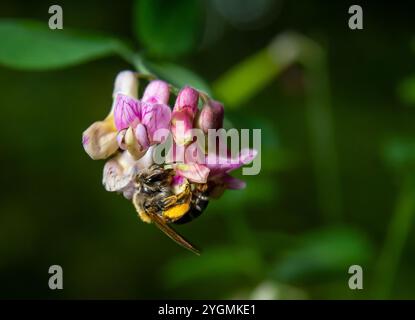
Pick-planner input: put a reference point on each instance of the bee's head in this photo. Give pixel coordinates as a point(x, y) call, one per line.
point(151, 179)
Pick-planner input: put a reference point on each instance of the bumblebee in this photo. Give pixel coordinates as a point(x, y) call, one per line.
point(158, 200)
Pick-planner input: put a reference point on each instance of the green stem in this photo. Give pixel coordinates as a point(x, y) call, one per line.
point(321, 134)
point(396, 237)
point(246, 79)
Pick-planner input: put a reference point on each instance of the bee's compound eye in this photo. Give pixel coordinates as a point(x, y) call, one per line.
point(154, 178)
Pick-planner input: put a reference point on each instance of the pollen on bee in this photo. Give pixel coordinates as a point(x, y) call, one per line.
point(177, 211)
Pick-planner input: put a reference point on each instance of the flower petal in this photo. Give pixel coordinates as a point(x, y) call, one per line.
point(116, 175)
point(132, 145)
point(194, 153)
point(121, 139)
point(141, 135)
point(157, 91)
point(193, 172)
point(127, 110)
point(219, 164)
point(155, 117)
point(126, 83)
point(120, 171)
point(184, 112)
point(181, 126)
point(99, 140)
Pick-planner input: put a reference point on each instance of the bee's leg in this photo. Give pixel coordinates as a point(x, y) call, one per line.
point(168, 201)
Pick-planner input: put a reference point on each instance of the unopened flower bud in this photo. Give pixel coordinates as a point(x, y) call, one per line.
point(157, 91)
point(210, 117)
point(184, 112)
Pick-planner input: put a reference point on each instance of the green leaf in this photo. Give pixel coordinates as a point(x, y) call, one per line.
point(246, 79)
point(213, 263)
point(32, 45)
point(323, 254)
point(167, 28)
point(179, 76)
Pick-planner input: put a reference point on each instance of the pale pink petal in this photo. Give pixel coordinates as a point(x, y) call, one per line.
point(194, 153)
point(99, 140)
point(132, 145)
point(116, 176)
point(121, 139)
point(223, 164)
point(193, 172)
point(146, 161)
point(157, 91)
point(126, 83)
point(119, 172)
point(155, 117)
point(126, 111)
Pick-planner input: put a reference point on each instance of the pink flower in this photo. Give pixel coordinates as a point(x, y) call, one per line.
point(137, 126)
point(142, 119)
point(100, 139)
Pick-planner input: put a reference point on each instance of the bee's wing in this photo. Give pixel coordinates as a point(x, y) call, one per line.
point(172, 234)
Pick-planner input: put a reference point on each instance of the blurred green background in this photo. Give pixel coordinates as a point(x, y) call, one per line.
point(338, 151)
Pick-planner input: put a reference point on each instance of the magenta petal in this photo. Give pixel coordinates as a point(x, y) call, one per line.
point(126, 111)
point(220, 165)
point(193, 172)
point(157, 91)
point(187, 98)
point(155, 117)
